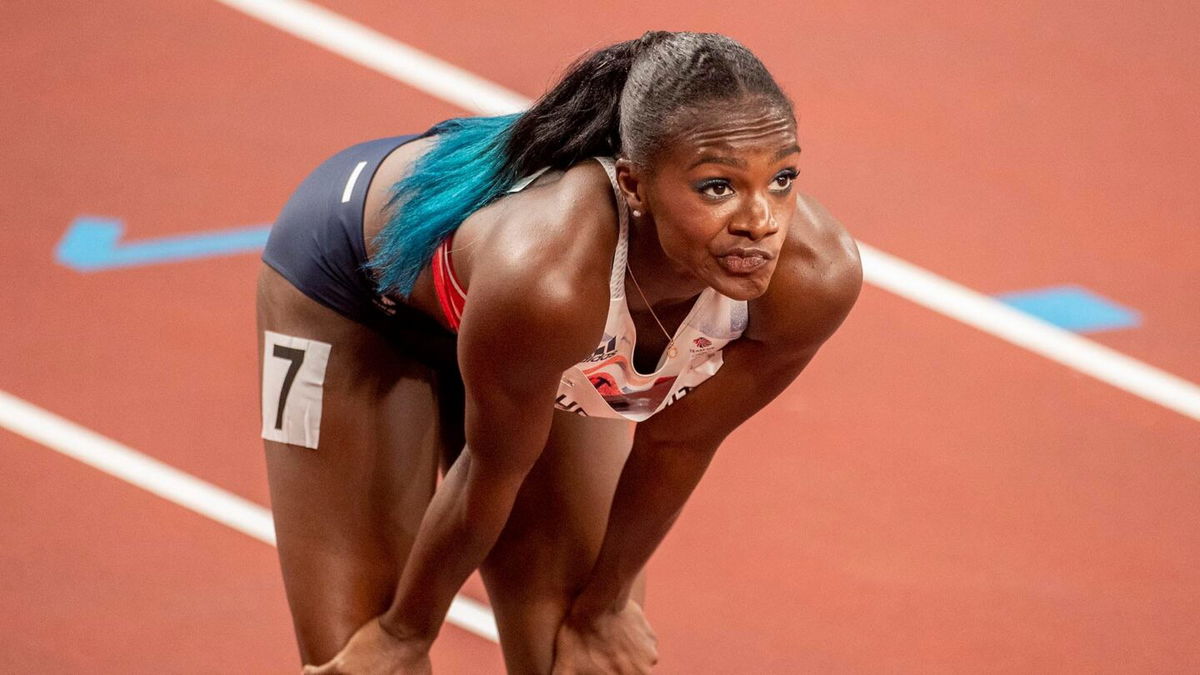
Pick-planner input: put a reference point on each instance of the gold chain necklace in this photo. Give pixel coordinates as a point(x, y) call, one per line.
point(671, 351)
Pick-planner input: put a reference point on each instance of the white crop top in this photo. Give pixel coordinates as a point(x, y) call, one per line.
point(607, 384)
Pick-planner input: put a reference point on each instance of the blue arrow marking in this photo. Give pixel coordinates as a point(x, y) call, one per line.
point(93, 243)
point(1074, 308)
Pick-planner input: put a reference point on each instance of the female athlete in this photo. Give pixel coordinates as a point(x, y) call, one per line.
point(569, 309)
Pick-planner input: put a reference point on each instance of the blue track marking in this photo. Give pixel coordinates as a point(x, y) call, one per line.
point(94, 243)
point(1072, 307)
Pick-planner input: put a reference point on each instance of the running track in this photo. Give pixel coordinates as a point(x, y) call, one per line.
point(927, 497)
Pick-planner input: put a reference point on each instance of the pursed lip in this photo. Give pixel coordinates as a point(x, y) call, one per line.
point(744, 261)
point(747, 253)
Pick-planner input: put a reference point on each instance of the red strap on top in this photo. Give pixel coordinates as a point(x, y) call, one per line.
point(450, 292)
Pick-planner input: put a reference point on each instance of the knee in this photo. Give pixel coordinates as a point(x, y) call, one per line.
point(537, 573)
point(325, 626)
point(528, 624)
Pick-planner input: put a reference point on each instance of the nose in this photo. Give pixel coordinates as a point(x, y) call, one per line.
point(756, 221)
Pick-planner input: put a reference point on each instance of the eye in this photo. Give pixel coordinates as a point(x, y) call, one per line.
point(717, 188)
point(783, 180)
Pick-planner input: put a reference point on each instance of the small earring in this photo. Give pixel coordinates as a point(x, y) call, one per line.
point(637, 214)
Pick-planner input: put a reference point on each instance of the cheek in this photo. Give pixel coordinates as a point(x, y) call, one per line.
point(684, 242)
point(686, 226)
point(687, 230)
point(784, 219)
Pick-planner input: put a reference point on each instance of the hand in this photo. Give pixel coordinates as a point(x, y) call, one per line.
point(374, 651)
point(618, 642)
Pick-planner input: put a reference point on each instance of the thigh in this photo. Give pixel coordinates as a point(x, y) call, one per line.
point(347, 511)
point(553, 536)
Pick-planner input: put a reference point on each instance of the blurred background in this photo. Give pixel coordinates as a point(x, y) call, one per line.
point(992, 467)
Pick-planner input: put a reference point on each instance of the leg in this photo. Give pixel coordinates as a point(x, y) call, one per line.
point(346, 513)
point(553, 536)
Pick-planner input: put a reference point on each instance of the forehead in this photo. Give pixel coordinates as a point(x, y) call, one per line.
point(731, 128)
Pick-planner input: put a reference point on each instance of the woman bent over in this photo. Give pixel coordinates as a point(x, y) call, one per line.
point(568, 310)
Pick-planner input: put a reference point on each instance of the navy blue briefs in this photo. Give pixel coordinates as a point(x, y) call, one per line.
point(317, 245)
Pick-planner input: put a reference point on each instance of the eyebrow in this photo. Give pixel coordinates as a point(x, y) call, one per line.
point(785, 151)
point(717, 159)
point(738, 163)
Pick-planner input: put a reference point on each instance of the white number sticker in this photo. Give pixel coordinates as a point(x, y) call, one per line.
point(293, 380)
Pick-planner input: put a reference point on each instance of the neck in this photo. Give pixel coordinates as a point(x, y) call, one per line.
point(663, 281)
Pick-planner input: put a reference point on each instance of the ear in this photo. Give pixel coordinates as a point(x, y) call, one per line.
point(631, 181)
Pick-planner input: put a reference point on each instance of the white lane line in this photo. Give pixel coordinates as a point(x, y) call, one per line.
point(131, 466)
point(381, 53)
point(1074, 351)
point(404, 63)
point(351, 181)
point(60, 434)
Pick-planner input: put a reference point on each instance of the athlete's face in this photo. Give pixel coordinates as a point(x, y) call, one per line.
point(720, 196)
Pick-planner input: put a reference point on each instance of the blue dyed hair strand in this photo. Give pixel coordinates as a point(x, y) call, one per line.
point(463, 172)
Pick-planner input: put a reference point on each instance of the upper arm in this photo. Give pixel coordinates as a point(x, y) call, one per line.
point(512, 351)
point(814, 286)
point(532, 314)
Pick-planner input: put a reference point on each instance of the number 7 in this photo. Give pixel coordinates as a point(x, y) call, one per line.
point(296, 356)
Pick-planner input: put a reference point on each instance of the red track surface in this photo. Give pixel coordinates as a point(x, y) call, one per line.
point(925, 498)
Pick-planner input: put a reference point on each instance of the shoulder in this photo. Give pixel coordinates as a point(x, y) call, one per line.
point(540, 262)
point(816, 282)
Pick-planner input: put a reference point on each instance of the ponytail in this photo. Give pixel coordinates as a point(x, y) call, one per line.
point(461, 174)
point(580, 116)
point(476, 159)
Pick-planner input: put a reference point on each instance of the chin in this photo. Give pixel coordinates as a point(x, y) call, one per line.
point(743, 287)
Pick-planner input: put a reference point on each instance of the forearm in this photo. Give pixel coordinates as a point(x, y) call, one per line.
point(653, 488)
point(670, 453)
point(459, 528)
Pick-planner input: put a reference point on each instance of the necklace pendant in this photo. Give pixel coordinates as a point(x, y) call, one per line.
point(671, 351)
